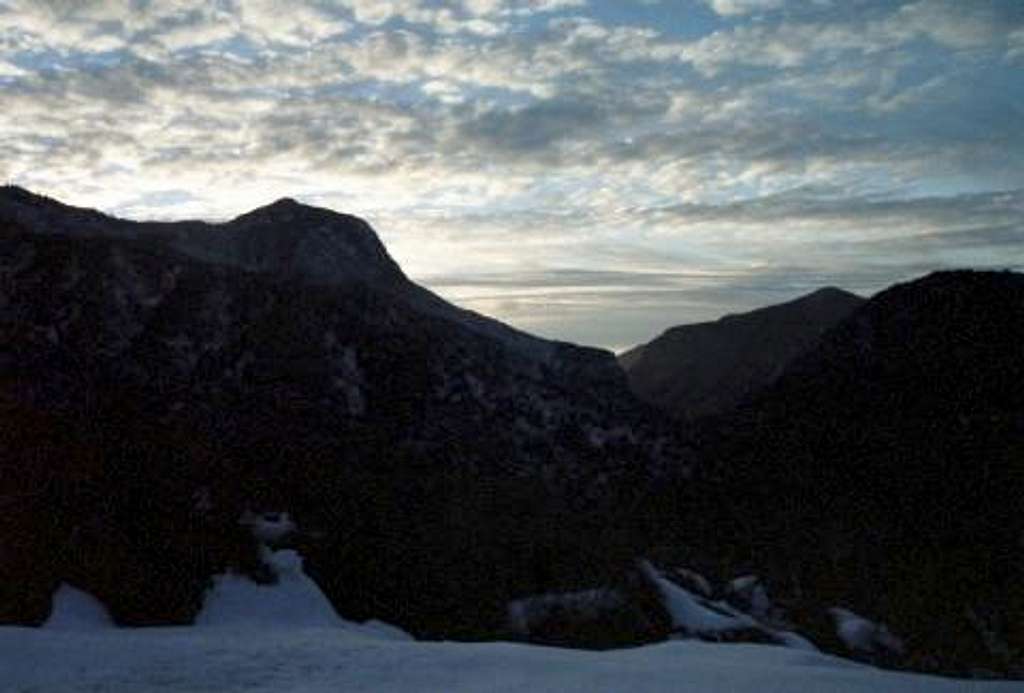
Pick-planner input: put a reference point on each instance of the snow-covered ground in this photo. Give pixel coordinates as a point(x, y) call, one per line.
point(285, 638)
point(312, 659)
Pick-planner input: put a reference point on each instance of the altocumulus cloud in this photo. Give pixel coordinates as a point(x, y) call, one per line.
point(588, 169)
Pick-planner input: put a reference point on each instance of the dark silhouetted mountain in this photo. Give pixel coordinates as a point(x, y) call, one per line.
point(709, 368)
point(161, 382)
point(884, 472)
point(158, 380)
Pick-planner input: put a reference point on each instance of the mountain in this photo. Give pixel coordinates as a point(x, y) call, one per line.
point(883, 472)
point(709, 368)
point(285, 238)
point(177, 399)
point(159, 381)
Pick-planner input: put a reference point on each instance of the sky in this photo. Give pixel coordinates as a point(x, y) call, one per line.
point(589, 170)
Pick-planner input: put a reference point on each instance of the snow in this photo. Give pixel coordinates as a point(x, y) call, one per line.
point(695, 580)
point(743, 583)
point(76, 610)
point(693, 615)
point(295, 600)
point(381, 631)
point(791, 639)
point(318, 660)
point(752, 591)
point(861, 635)
point(285, 638)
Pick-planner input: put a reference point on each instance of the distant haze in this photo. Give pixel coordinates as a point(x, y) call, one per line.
point(591, 170)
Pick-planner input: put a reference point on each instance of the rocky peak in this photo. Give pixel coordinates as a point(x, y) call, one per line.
point(286, 203)
point(830, 291)
point(288, 237)
point(709, 368)
point(15, 193)
point(285, 209)
point(24, 209)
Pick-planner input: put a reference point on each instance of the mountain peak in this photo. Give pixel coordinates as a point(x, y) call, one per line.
point(12, 190)
point(709, 368)
point(22, 208)
point(15, 193)
point(831, 292)
point(289, 204)
point(291, 238)
point(287, 208)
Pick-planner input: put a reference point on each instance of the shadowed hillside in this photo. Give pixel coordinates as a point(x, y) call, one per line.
point(709, 368)
point(160, 380)
point(884, 470)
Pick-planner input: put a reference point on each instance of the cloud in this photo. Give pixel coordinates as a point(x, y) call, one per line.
point(536, 127)
point(1015, 50)
point(732, 8)
point(957, 24)
point(986, 24)
point(300, 25)
point(594, 153)
point(868, 216)
point(480, 17)
point(752, 253)
point(155, 29)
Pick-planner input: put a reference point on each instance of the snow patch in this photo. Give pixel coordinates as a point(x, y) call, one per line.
point(294, 601)
point(752, 596)
point(862, 635)
point(694, 581)
point(384, 631)
point(799, 642)
point(693, 615)
point(743, 583)
point(76, 610)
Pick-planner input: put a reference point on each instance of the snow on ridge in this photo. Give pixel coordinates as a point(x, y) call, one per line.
point(368, 657)
point(293, 602)
point(76, 610)
point(699, 616)
point(235, 601)
point(861, 635)
point(692, 615)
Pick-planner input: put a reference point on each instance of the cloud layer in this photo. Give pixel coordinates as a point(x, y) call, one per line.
point(595, 171)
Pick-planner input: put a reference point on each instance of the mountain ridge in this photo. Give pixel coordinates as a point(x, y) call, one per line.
point(440, 468)
point(329, 247)
point(881, 471)
point(708, 368)
point(136, 378)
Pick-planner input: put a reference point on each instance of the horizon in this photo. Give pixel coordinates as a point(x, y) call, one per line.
point(215, 222)
point(589, 171)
